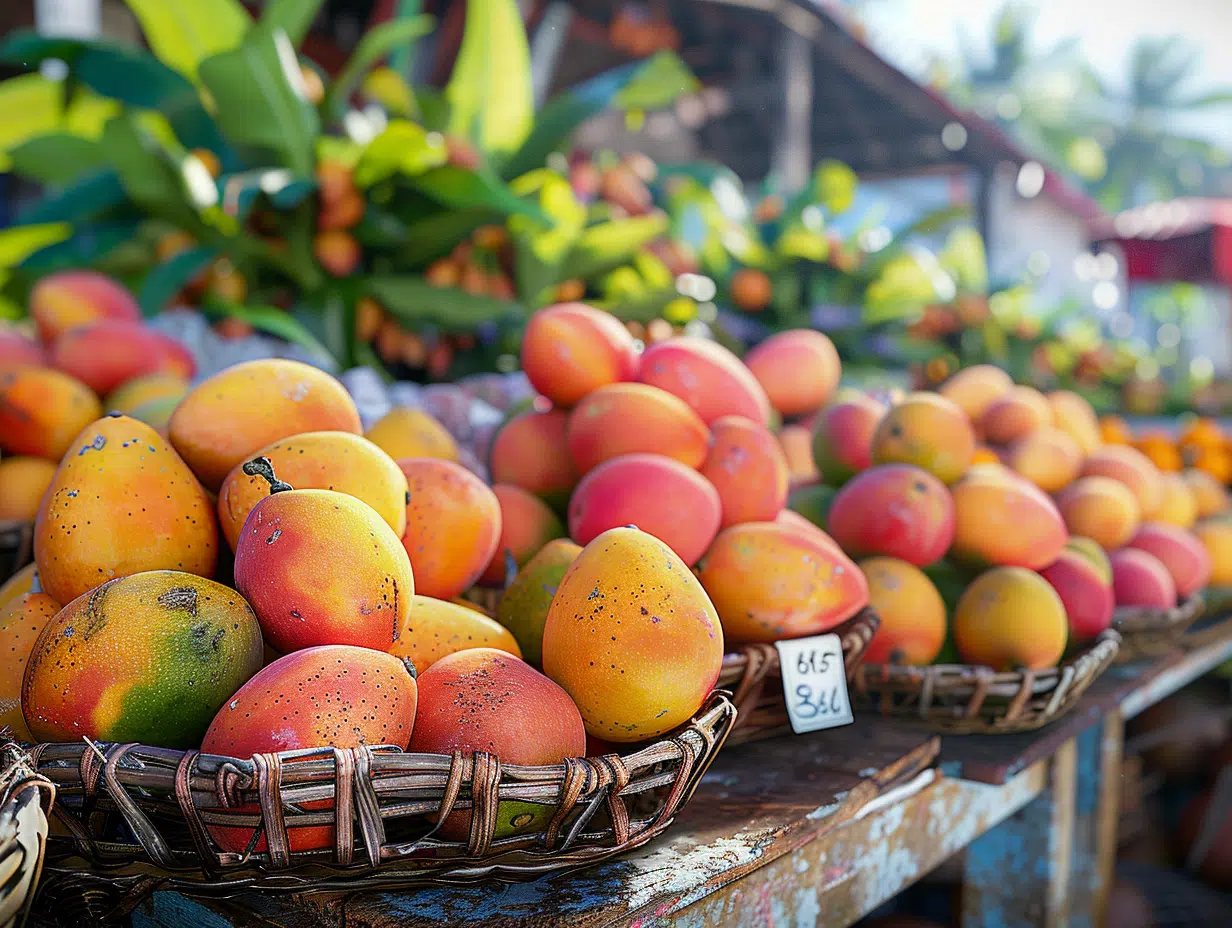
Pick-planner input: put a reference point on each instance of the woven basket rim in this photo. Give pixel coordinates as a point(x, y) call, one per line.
point(1131, 619)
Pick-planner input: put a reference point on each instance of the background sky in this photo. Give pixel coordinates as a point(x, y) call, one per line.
point(910, 31)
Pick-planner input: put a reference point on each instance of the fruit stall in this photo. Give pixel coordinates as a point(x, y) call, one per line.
point(408, 517)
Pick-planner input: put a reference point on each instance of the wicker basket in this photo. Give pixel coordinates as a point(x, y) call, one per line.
point(1150, 633)
point(25, 804)
point(141, 817)
point(16, 547)
point(961, 699)
point(752, 674)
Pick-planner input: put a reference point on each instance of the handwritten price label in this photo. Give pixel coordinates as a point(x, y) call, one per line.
point(814, 683)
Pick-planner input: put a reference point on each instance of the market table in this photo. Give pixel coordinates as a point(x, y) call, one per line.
point(821, 829)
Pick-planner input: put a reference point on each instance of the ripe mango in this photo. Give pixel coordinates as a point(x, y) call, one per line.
point(23, 481)
point(523, 609)
point(62, 301)
point(1085, 594)
point(41, 410)
point(657, 494)
point(436, 628)
point(974, 389)
point(21, 582)
point(453, 525)
point(843, 436)
point(706, 376)
point(1010, 618)
point(799, 369)
point(412, 433)
point(320, 568)
point(797, 444)
point(147, 389)
point(1093, 553)
point(571, 349)
point(147, 658)
point(531, 451)
point(1100, 508)
point(1048, 458)
point(1216, 537)
point(337, 461)
point(21, 622)
point(626, 418)
point(122, 502)
point(911, 610)
point(632, 637)
point(1209, 494)
point(527, 524)
point(238, 411)
point(105, 355)
point(330, 696)
point(896, 510)
point(747, 467)
point(1179, 551)
point(1015, 414)
point(19, 350)
point(1132, 468)
point(769, 581)
point(1178, 505)
point(1001, 519)
point(928, 431)
point(486, 700)
point(1141, 579)
point(1075, 417)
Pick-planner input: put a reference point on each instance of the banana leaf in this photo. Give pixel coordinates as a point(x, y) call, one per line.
point(184, 33)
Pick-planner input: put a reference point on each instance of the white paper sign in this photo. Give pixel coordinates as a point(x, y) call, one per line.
point(814, 683)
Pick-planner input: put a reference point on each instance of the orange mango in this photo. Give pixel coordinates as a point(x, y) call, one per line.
point(896, 510)
point(912, 613)
point(21, 582)
point(105, 355)
point(68, 299)
point(1076, 418)
point(1132, 468)
point(572, 349)
point(1010, 618)
point(1140, 579)
point(706, 376)
point(1016, 413)
point(974, 389)
point(1210, 496)
point(531, 451)
point(412, 433)
point(435, 628)
point(147, 389)
point(1181, 553)
point(527, 524)
point(19, 350)
point(1100, 508)
point(1049, 458)
point(1001, 519)
point(799, 370)
point(1178, 505)
point(626, 418)
point(21, 623)
point(928, 431)
point(1216, 537)
point(41, 410)
point(1085, 594)
point(843, 436)
point(797, 444)
point(747, 467)
point(23, 481)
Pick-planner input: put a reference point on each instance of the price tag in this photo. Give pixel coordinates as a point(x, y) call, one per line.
point(814, 683)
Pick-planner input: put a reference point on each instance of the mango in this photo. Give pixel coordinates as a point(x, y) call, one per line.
point(532, 451)
point(315, 698)
point(657, 494)
point(238, 411)
point(106, 355)
point(1085, 594)
point(796, 522)
point(122, 502)
point(21, 582)
point(799, 369)
point(147, 658)
point(338, 252)
point(632, 637)
point(1178, 505)
point(572, 349)
point(812, 502)
point(928, 431)
point(797, 444)
point(1100, 508)
point(1076, 418)
point(1181, 553)
point(62, 301)
point(436, 628)
point(23, 481)
point(706, 376)
point(1010, 618)
point(486, 700)
point(41, 410)
point(339, 461)
point(896, 510)
point(1048, 458)
point(19, 350)
point(973, 389)
point(843, 436)
point(21, 622)
point(321, 567)
point(747, 467)
point(1132, 468)
point(626, 418)
point(412, 433)
point(523, 609)
point(1216, 537)
point(1210, 496)
point(147, 389)
point(527, 524)
point(1140, 579)
point(157, 414)
point(1001, 519)
point(769, 581)
point(1095, 555)
point(453, 525)
point(1015, 414)
point(911, 610)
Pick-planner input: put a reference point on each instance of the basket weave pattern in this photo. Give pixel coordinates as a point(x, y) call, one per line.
point(964, 699)
point(752, 675)
point(25, 804)
point(1151, 633)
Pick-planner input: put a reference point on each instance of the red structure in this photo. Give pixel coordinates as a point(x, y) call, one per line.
point(1180, 240)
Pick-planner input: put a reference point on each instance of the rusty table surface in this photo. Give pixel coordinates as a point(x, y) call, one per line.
point(758, 803)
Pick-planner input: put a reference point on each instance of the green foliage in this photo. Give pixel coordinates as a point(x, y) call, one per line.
point(375, 45)
point(184, 33)
point(294, 17)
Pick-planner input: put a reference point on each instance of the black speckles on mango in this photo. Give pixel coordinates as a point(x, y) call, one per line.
point(180, 598)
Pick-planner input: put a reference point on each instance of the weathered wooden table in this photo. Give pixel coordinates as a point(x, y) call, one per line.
point(820, 829)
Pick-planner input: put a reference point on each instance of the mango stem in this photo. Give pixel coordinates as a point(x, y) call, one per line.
point(261, 467)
